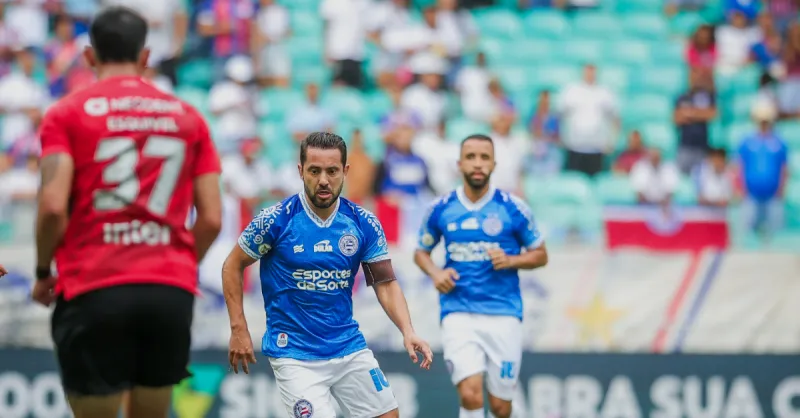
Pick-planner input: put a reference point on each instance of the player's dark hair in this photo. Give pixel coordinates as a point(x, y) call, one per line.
point(323, 140)
point(717, 152)
point(118, 35)
point(479, 137)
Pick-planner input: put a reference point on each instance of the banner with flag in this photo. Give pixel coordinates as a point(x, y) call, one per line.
point(671, 228)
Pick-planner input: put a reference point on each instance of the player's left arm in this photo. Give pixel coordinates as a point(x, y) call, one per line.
point(534, 254)
point(57, 170)
point(379, 274)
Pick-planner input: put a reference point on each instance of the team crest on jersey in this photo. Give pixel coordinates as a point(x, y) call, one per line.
point(427, 239)
point(348, 244)
point(96, 106)
point(264, 248)
point(283, 340)
point(303, 409)
point(492, 226)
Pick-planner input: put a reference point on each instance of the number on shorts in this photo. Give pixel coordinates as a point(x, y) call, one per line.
point(121, 172)
point(378, 379)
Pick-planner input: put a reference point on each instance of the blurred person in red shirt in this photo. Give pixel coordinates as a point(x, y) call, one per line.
point(122, 166)
point(701, 51)
point(633, 152)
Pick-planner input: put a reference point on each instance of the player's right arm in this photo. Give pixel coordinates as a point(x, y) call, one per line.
point(429, 236)
point(207, 199)
point(256, 241)
point(57, 169)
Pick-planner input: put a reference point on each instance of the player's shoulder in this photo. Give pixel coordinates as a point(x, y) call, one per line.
point(513, 203)
point(280, 212)
point(441, 202)
point(359, 214)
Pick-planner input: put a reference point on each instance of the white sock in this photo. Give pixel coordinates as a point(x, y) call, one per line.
point(475, 413)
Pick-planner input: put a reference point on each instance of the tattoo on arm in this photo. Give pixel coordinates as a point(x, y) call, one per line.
point(49, 168)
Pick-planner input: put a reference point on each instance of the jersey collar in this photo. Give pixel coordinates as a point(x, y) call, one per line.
point(322, 223)
point(473, 206)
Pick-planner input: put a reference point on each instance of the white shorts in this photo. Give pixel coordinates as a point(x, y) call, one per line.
point(474, 344)
point(310, 388)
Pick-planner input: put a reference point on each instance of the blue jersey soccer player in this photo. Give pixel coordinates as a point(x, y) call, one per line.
point(310, 246)
point(488, 236)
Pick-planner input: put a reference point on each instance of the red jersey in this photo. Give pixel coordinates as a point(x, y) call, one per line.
point(137, 152)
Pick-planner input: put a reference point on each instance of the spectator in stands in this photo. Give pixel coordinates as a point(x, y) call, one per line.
point(20, 184)
point(441, 158)
point(767, 90)
point(713, 180)
point(783, 12)
point(29, 21)
point(693, 112)
point(510, 152)
point(654, 180)
point(81, 11)
point(228, 24)
point(767, 53)
point(61, 54)
point(789, 88)
point(545, 158)
point(389, 27)
point(309, 117)
point(401, 174)
point(702, 49)
point(22, 99)
point(472, 84)
point(361, 177)
point(231, 101)
point(248, 176)
point(543, 123)
point(273, 27)
point(734, 40)
point(763, 160)
point(675, 6)
point(425, 97)
point(633, 152)
point(345, 38)
point(457, 31)
point(589, 121)
point(748, 8)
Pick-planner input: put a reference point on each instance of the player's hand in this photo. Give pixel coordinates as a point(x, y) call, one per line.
point(500, 259)
point(240, 350)
point(3, 271)
point(43, 291)
point(414, 344)
point(445, 280)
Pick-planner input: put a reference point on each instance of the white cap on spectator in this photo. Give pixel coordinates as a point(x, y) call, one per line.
point(428, 63)
point(764, 111)
point(239, 69)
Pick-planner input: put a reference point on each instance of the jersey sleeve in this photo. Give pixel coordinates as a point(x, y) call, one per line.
point(429, 232)
point(263, 231)
point(53, 132)
point(375, 246)
point(524, 226)
point(207, 158)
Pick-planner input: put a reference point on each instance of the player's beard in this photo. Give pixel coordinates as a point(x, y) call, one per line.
point(476, 184)
point(319, 202)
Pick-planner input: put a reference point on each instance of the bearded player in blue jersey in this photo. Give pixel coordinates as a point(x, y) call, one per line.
point(489, 235)
point(310, 246)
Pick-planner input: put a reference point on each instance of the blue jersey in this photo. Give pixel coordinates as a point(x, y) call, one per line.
point(469, 230)
point(308, 267)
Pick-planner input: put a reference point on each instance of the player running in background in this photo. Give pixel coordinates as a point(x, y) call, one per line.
point(311, 246)
point(122, 165)
point(488, 235)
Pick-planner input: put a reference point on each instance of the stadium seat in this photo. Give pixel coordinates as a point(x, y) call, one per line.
point(790, 132)
point(196, 73)
point(379, 104)
point(685, 23)
point(581, 51)
point(662, 136)
point(306, 22)
point(668, 53)
point(194, 96)
point(546, 24)
point(569, 188)
point(319, 75)
point(627, 7)
point(306, 50)
point(686, 193)
point(629, 52)
point(346, 102)
point(530, 52)
point(494, 49)
point(737, 132)
point(459, 128)
point(277, 101)
point(645, 108)
point(667, 80)
point(554, 76)
point(645, 25)
point(740, 108)
point(499, 23)
point(615, 77)
point(794, 164)
point(615, 189)
point(514, 78)
point(596, 25)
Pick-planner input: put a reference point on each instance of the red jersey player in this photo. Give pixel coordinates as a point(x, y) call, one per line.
point(122, 165)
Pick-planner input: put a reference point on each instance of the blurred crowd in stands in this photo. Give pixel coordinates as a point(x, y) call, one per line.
point(404, 81)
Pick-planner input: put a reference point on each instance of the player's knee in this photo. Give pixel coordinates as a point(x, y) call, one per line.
point(471, 393)
point(500, 408)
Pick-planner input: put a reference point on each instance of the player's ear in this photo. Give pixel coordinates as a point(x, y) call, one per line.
point(346, 169)
point(300, 169)
point(144, 57)
point(88, 54)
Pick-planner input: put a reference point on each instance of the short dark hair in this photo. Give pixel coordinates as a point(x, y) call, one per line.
point(323, 140)
point(479, 137)
point(118, 35)
point(717, 152)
